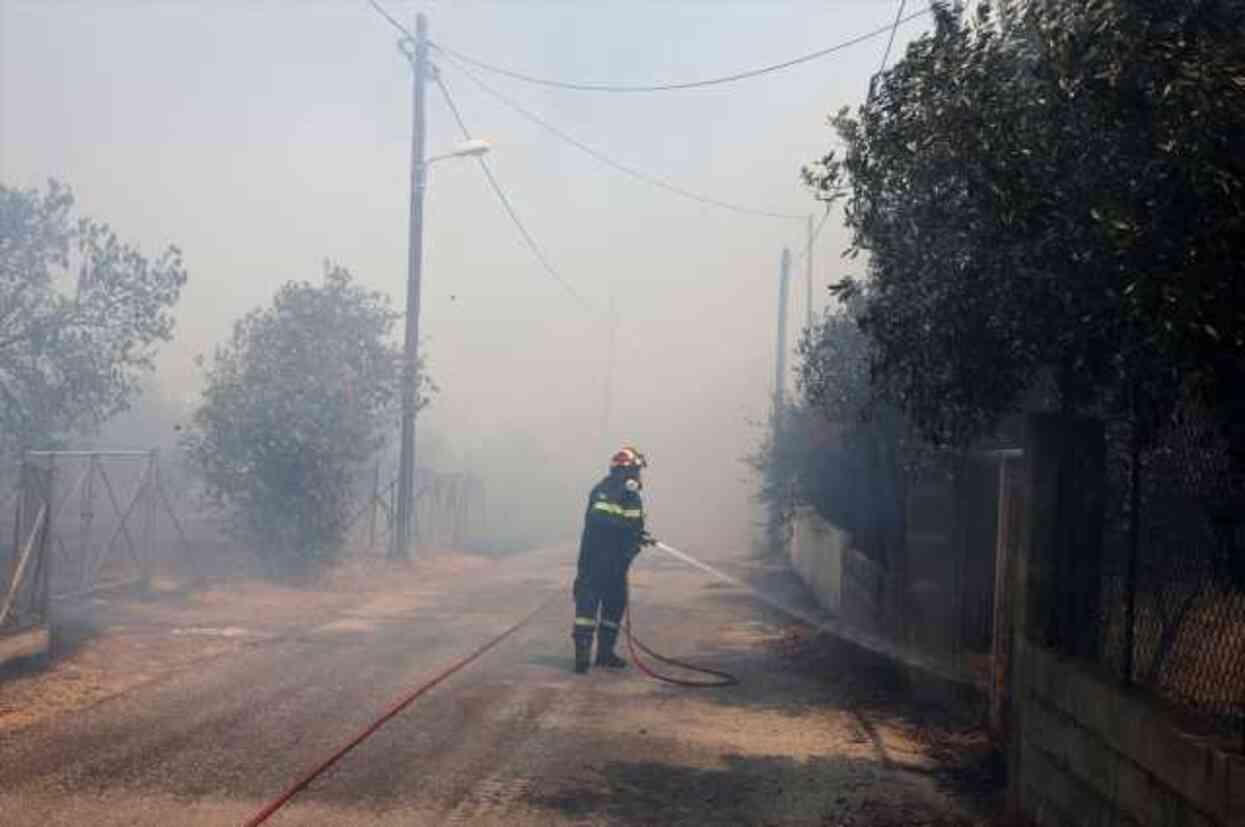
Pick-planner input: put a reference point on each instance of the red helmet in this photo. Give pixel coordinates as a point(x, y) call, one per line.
point(628, 458)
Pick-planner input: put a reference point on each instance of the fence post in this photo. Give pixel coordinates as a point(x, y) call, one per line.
point(1056, 581)
point(1000, 631)
point(371, 507)
point(390, 514)
point(148, 554)
point(460, 513)
point(44, 581)
point(17, 526)
point(1066, 459)
point(86, 513)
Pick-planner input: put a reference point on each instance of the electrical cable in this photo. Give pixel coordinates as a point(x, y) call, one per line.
point(393, 21)
point(820, 224)
point(816, 234)
point(670, 87)
point(891, 41)
point(647, 178)
point(505, 202)
point(458, 60)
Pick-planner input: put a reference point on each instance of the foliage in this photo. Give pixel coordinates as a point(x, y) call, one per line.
point(859, 452)
point(834, 366)
point(294, 403)
point(73, 350)
point(1054, 191)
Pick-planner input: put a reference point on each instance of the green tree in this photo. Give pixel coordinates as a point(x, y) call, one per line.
point(857, 451)
point(294, 404)
point(81, 316)
point(1052, 198)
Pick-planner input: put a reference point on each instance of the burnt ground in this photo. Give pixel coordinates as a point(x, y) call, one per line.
point(198, 707)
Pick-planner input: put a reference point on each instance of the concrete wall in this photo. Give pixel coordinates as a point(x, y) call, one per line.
point(1082, 750)
point(817, 556)
point(1091, 754)
point(930, 588)
point(845, 582)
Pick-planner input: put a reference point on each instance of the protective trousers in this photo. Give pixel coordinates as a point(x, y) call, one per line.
point(601, 587)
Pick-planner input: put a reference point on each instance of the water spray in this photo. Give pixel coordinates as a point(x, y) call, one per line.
point(871, 643)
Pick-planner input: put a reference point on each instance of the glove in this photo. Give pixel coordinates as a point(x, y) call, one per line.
point(647, 540)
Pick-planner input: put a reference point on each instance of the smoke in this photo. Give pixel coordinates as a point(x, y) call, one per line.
point(295, 148)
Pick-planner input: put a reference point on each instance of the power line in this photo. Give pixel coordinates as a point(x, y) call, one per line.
point(670, 87)
point(891, 41)
point(393, 21)
point(815, 236)
point(505, 202)
point(820, 224)
point(647, 178)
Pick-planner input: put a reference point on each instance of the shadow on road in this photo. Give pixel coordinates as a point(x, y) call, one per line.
point(792, 670)
point(760, 790)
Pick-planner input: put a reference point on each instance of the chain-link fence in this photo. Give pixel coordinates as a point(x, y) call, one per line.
point(1173, 575)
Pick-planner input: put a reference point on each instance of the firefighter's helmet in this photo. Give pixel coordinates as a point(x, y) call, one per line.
point(628, 458)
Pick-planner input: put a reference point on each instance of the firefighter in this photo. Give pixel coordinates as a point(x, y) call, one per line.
point(613, 535)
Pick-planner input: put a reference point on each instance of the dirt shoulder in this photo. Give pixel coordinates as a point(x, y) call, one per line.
point(113, 644)
point(891, 710)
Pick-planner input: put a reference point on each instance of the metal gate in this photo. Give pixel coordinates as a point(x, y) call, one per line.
point(26, 569)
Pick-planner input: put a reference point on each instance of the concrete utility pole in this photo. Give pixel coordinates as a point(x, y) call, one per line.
point(607, 413)
point(808, 272)
point(404, 531)
point(776, 506)
point(780, 357)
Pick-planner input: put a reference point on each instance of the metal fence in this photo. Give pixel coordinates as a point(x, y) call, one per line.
point(109, 516)
point(449, 512)
point(25, 572)
point(1173, 575)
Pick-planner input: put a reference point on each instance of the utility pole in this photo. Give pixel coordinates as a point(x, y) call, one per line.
point(780, 357)
point(405, 528)
point(609, 373)
point(808, 273)
point(778, 503)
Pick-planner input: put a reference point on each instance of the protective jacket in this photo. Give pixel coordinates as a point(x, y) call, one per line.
point(613, 532)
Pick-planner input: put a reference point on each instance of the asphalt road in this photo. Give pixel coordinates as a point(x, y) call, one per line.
point(516, 739)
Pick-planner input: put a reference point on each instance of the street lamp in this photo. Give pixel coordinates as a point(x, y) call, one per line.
point(467, 149)
point(404, 530)
point(417, 52)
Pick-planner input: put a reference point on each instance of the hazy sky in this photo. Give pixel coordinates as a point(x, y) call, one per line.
point(264, 137)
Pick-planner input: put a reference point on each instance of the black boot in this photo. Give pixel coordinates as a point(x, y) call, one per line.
point(583, 652)
point(606, 638)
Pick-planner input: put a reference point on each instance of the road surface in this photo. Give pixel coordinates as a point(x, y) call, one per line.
point(516, 739)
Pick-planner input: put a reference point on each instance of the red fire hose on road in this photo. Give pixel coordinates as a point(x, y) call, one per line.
point(634, 645)
point(293, 790)
point(718, 678)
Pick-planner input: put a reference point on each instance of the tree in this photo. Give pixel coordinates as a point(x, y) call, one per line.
point(1052, 198)
point(73, 349)
point(294, 403)
point(858, 452)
